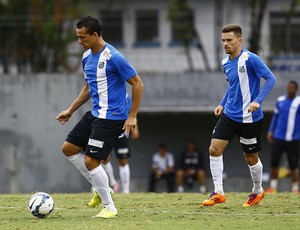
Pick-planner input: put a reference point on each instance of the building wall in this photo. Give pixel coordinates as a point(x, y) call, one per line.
point(29, 131)
point(172, 59)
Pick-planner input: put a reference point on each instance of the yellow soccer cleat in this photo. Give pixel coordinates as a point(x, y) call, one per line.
point(106, 214)
point(214, 198)
point(96, 200)
point(254, 199)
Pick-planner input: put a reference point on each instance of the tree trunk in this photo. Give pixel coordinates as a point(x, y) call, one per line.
point(258, 8)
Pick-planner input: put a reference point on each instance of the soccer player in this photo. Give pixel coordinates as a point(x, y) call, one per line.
point(240, 113)
point(106, 72)
point(191, 166)
point(284, 135)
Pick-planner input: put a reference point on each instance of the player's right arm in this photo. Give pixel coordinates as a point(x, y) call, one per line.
point(83, 97)
point(220, 108)
point(273, 124)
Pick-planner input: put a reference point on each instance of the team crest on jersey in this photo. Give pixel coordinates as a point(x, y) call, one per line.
point(101, 64)
point(106, 54)
point(242, 69)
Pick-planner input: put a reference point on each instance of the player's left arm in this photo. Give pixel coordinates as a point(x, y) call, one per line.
point(263, 71)
point(128, 73)
point(137, 92)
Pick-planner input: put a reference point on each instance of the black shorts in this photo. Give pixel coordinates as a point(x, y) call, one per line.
point(96, 136)
point(122, 148)
point(248, 133)
point(290, 147)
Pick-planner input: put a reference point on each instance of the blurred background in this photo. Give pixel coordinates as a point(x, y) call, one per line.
point(175, 46)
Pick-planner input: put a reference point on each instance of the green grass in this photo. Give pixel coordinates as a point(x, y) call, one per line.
point(155, 211)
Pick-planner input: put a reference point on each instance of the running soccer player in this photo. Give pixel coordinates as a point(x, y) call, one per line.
point(284, 135)
point(240, 113)
point(106, 72)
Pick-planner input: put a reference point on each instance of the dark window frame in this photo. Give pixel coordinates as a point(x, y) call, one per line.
point(147, 28)
point(112, 27)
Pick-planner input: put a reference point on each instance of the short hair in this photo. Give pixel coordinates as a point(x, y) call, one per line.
point(162, 146)
point(192, 140)
point(294, 83)
point(235, 28)
point(91, 24)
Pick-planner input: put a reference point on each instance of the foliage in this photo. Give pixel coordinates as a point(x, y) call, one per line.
point(155, 211)
point(35, 33)
point(180, 13)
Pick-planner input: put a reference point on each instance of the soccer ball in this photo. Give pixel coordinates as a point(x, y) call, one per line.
point(41, 204)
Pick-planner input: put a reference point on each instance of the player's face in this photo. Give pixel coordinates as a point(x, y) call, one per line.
point(291, 90)
point(86, 40)
point(162, 151)
point(231, 43)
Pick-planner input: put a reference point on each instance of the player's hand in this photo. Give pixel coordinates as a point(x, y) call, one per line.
point(158, 175)
point(129, 125)
point(219, 110)
point(270, 137)
point(253, 107)
point(64, 116)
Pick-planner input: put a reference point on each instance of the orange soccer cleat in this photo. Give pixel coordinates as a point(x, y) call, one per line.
point(271, 191)
point(214, 198)
point(254, 199)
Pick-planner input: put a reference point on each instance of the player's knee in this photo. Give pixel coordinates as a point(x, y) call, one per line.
point(123, 162)
point(252, 159)
point(214, 151)
point(91, 163)
point(68, 150)
point(180, 173)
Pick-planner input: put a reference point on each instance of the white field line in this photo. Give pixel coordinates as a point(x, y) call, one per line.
point(174, 212)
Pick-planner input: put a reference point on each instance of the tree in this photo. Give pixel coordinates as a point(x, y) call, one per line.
point(180, 14)
point(258, 8)
point(36, 33)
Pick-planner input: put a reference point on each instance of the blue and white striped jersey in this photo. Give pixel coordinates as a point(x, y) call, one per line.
point(243, 75)
point(285, 123)
point(106, 73)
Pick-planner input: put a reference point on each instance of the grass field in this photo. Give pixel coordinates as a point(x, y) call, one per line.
point(155, 211)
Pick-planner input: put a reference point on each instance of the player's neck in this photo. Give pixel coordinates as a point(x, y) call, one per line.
point(236, 53)
point(98, 46)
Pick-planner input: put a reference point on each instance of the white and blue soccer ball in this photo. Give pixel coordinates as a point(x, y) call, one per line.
point(41, 204)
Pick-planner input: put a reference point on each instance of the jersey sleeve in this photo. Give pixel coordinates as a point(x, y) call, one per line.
point(259, 67)
point(274, 119)
point(171, 161)
point(201, 160)
point(123, 67)
point(224, 99)
point(181, 164)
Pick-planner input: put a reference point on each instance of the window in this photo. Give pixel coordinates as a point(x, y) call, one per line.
point(112, 28)
point(147, 28)
point(285, 36)
point(183, 29)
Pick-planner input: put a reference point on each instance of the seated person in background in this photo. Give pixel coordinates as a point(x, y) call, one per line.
point(162, 168)
point(191, 166)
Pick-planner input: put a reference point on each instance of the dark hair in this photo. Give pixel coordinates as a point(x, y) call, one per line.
point(192, 140)
point(294, 83)
point(162, 145)
point(235, 28)
point(91, 24)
